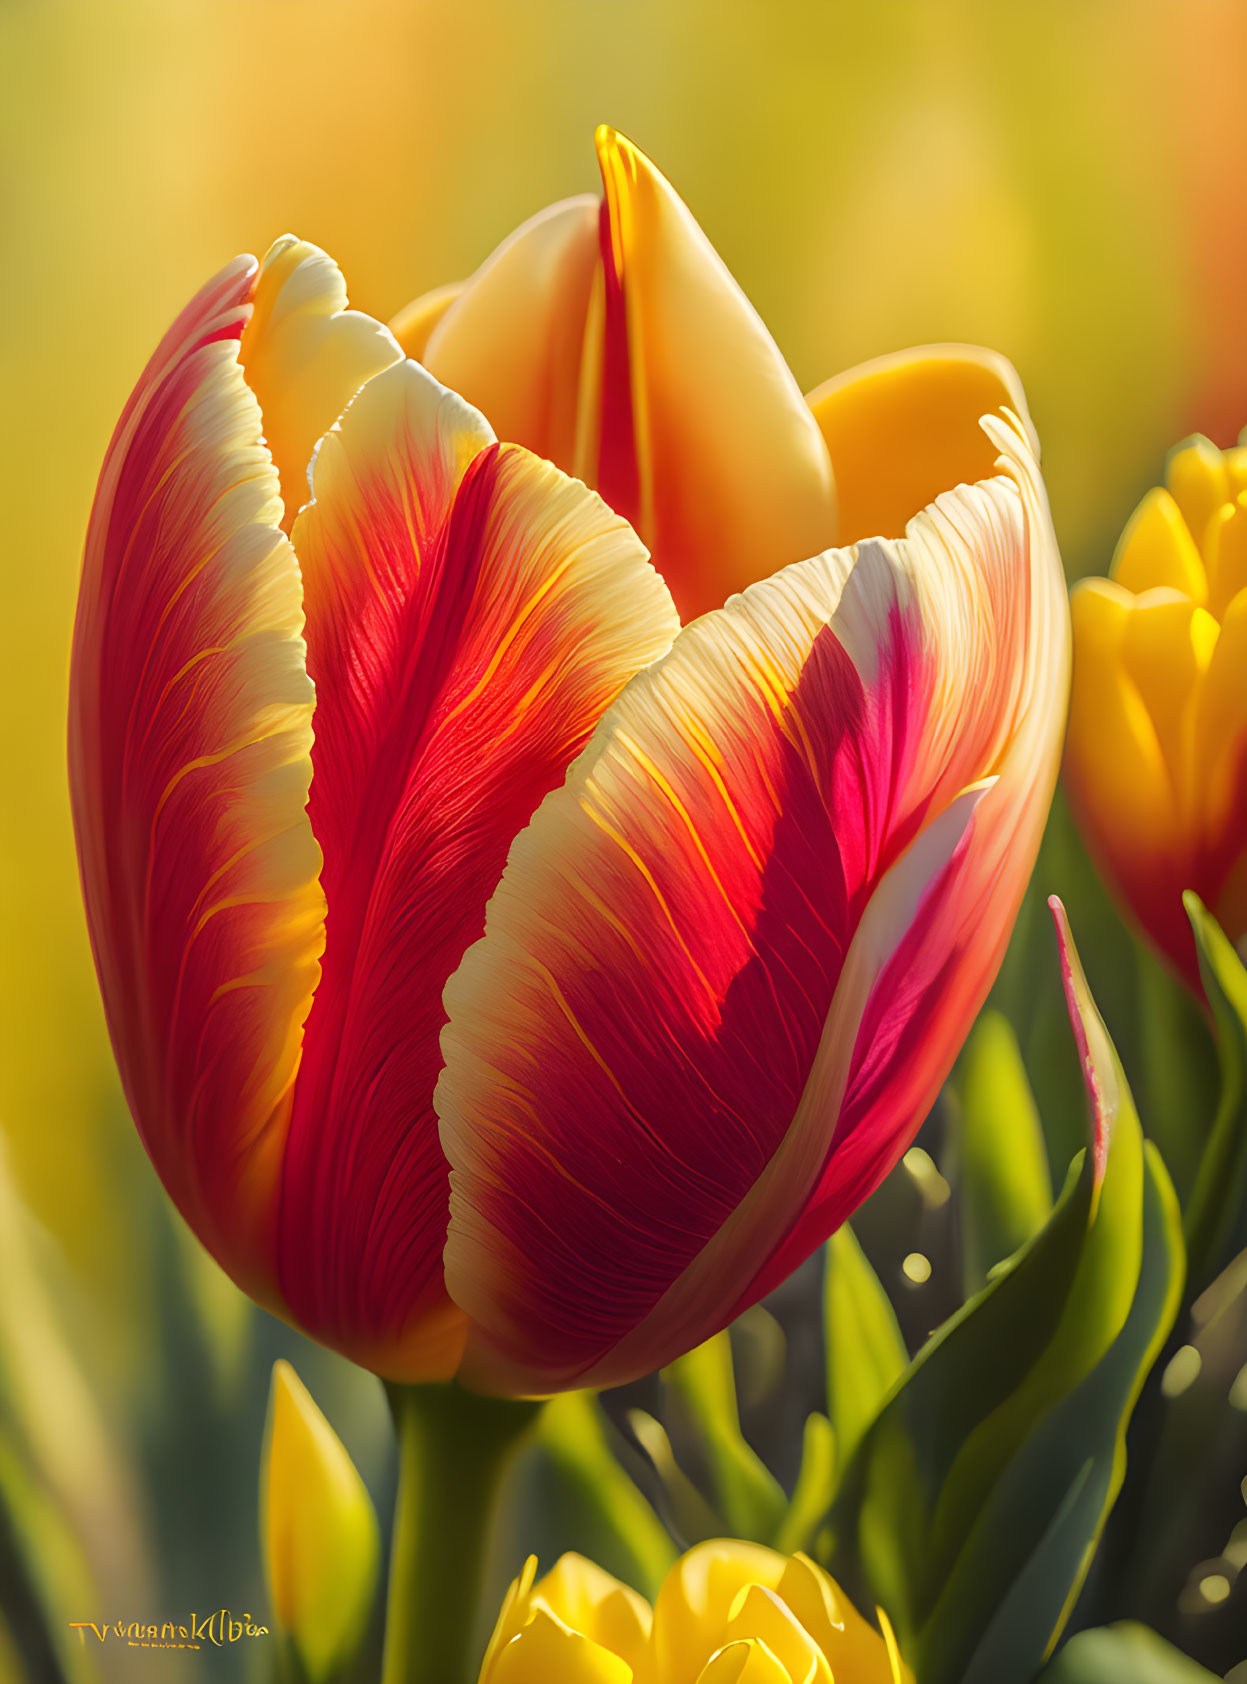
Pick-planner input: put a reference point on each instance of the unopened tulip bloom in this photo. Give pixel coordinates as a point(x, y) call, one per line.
point(318, 1531)
point(1156, 764)
point(727, 1613)
point(608, 336)
point(732, 959)
point(425, 636)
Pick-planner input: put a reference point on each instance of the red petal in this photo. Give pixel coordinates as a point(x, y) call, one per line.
point(190, 725)
point(731, 960)
point(471, 611)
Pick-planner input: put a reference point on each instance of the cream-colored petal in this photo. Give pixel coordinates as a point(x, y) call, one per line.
point(305, 355)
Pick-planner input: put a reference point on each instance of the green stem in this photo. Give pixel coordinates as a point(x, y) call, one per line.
point(453, 1448)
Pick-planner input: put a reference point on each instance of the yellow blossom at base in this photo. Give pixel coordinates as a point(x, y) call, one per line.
point(727, 1613)
point(1156, 758)
point(318, 1530)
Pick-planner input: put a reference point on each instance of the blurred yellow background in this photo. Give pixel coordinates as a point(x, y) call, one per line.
point(1061, 179)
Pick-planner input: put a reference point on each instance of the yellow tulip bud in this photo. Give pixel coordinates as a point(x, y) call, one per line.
point(727, 1613)
point(1156, 759)
point(318, 1530)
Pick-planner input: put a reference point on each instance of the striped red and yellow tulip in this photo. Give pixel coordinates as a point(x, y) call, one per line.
point(1156, 764)
point(738, 946)
point(726, 1613)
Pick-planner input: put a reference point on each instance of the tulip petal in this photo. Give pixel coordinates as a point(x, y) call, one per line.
point(1114, 746)
point(512, 342)
point(759, 1614)
point(1116, 774)
point(757, 919)
point(1197, 477)
point(1220, 734)
point(707, 445)
point(190, 730)
point(591, 1601)
point(471, 611)
point(695, 1601)
point(903, 428)
point(1156, 550)
point(305, 355)
point(852, 1645)
point(546, 1649)
point(516, 1607)
point(1220, 730)
point(413, 326)
point(1227, 555)
point(990, 576)
point(1168, 644)
point(746, 1661)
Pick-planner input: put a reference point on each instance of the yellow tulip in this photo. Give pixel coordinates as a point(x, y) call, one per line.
point(727, 1613)
point(1156, 760)
point(318, 1531)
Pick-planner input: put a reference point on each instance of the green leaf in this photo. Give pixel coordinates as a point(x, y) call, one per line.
point(575, 1437)
point(1006, 1187)
point(49, 1581)
point(866, 1354)
point(760, 1353)
point(67, 1492)
point(1194, 1438)
point(1178, 1084)
point(815, 1487)
point(977, 1495)
point(1117, 1653)
point(746, 1493)
point(1216, 1217)
point(1029, 992)
point(1067, 1473)
point(689, 1516)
